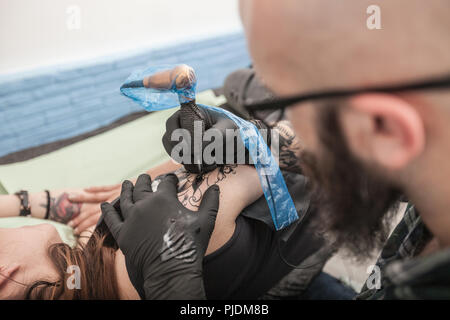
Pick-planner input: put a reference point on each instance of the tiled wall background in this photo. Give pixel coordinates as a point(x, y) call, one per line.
point(62, 103)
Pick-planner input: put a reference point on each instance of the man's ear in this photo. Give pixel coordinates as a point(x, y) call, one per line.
point(383, 129)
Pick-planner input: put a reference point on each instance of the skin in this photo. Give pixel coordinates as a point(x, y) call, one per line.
point(24, 257)
point(404, 137)
point(79, 208)
point(92, 197)
point(62, 209)
point(26, 248)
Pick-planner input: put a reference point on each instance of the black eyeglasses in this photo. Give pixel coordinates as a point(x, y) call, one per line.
point(281, 104)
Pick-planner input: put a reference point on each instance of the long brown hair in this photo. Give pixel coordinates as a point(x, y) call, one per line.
point(96, 262)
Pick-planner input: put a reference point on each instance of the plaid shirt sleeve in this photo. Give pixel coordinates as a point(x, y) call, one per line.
point(401, 270)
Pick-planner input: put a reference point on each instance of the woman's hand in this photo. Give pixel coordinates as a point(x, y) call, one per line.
point(90, 199)
point(79, 208)
point(96, 194)
point(60, 208)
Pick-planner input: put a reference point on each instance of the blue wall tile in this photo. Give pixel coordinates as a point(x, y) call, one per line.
point(65, 102)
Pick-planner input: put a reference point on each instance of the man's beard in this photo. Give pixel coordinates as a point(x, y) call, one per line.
point(354, 204)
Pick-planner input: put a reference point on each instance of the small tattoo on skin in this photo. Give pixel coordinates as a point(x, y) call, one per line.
point(189, 192)
point(61, 209)
point(290, 147)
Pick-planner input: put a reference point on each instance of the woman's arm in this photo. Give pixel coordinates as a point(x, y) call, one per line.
point(9, 206)
point(93, 196)
point(61, 209)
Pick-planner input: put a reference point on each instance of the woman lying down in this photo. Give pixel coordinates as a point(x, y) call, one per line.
point(244, 259)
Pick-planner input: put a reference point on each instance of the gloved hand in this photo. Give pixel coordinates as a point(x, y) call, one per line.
point(163, 242)
point(221, 123)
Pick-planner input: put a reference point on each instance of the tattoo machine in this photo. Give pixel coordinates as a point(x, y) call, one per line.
point(163, 87)
point(177, 83)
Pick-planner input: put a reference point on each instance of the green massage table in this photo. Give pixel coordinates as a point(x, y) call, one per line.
point(107, 158)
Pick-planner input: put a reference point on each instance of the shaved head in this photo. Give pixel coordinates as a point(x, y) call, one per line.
point(362, 152)
point(317, 44)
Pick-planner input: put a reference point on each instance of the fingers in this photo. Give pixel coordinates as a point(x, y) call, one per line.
point(210, 202)
point(87, 223)
point(126, 197)
point(172, 124)
point(87, 198)
point(97, 194)
point(112, 219)
point(169, 185)
point(208, 213)
point(142, 188)
point(102, 188)
point(209, 208)
point(82, 216)
point(85, 217)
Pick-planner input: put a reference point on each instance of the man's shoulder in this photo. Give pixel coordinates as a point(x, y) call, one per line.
point(405, 275)
point(400, 245)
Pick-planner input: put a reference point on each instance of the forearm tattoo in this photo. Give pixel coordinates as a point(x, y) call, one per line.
point(290, 147)
point(189, 192)
point(61, 209)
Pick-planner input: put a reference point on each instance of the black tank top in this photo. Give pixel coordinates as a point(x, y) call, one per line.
point(249, 264)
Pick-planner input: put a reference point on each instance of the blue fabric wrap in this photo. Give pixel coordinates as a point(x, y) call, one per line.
point(273, 185)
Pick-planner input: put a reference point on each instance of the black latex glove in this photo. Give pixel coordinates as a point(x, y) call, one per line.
point(219, 122)
point(163, 242)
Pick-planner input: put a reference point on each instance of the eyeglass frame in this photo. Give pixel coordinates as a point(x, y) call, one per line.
point(436, 83)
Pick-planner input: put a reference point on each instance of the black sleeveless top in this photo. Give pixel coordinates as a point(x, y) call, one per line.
point(249, 264)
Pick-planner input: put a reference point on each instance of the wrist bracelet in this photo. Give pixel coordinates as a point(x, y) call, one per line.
point(47, 213)
point(25, 209)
